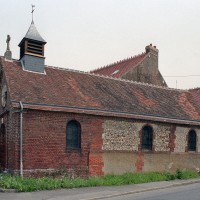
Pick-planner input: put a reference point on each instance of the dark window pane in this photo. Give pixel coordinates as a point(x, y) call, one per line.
point(192, 141)
point(147, 138)
point(73, 135)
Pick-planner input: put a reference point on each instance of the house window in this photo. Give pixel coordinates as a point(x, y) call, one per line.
point(147, 138)
point(192, 140)
point(73, 135)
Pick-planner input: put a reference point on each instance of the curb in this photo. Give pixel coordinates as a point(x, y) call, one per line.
point(8, 190)
point(144, 190)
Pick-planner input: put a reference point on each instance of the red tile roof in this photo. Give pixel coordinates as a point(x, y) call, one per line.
point(120, 68)
point(196, 96)
point(72, 91)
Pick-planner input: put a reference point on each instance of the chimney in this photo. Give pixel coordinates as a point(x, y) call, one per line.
point(8, 53)
point(152, 50)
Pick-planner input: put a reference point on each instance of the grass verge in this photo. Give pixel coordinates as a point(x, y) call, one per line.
point(46, 183)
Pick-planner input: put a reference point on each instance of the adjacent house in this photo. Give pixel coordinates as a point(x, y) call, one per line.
point(54, 118)
point(141, 68)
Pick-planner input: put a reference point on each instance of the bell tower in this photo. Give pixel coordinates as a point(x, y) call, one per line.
point(32, 50)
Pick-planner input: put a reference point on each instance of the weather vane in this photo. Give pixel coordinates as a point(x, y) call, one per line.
point(33, 6)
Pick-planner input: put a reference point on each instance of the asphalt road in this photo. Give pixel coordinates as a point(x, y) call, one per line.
point(187, 192)
point(164, 190)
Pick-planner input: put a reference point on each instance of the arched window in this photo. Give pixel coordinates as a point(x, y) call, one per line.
point(147, 138)
point(192, 140)
point(73, 135)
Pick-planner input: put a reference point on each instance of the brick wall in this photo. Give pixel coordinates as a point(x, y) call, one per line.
point(44, 143)
point(108, 145)
point(11, 138)
point(11, 121)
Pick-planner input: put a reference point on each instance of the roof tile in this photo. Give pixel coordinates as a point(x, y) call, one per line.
point(86, 91)
point(120, 68)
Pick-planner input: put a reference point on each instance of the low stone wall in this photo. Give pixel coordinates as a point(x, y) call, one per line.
point(122, 162)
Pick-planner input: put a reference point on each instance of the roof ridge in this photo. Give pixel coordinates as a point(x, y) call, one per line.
point(12, 60)
point(117, 79)
point(117, 62)
point(195, 88)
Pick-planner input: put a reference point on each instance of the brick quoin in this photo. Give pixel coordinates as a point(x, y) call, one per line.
point(95, 155)
point(172, 138)
point(139, 162)
point(96, 164)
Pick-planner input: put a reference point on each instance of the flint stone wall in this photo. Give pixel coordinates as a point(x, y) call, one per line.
point(126, 136)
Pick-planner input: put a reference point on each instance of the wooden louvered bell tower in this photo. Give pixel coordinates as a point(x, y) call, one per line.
point(32, 50)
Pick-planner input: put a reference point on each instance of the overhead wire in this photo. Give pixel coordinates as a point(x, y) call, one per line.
point(182, 76)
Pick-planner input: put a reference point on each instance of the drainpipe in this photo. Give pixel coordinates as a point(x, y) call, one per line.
point(21, 138)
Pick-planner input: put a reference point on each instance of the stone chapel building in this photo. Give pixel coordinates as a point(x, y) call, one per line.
point(54, 118)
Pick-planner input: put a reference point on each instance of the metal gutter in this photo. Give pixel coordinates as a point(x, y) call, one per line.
point(21, 138)
point(101, 112)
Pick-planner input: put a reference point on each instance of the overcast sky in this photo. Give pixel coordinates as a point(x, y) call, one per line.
point(87, 34)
